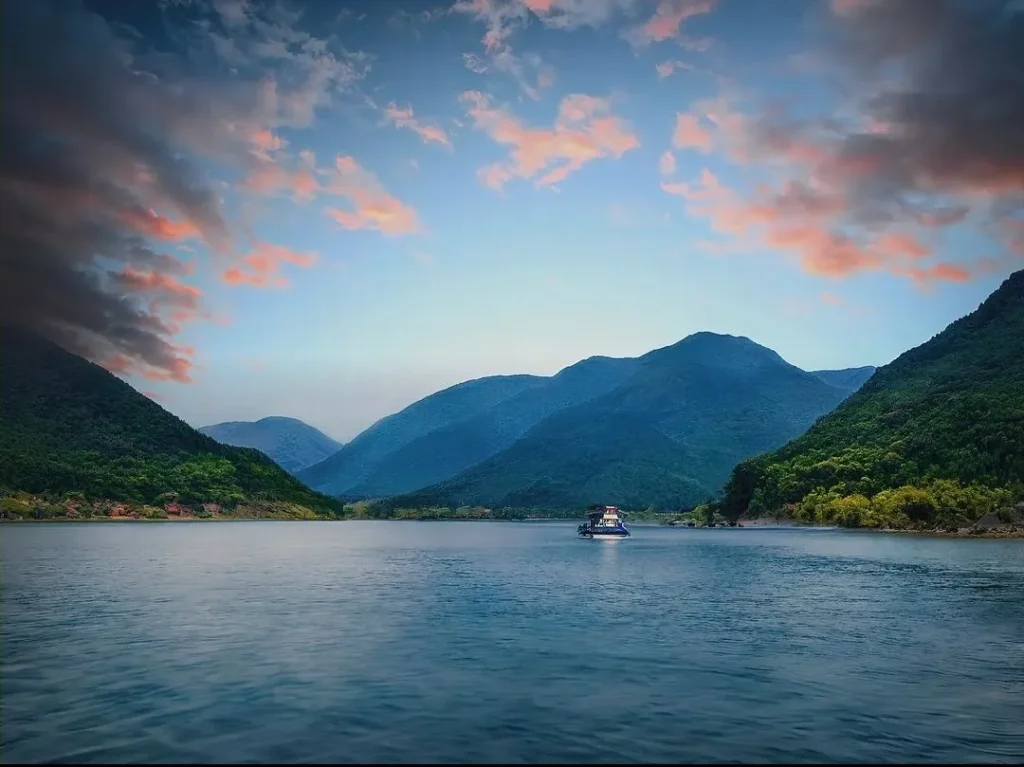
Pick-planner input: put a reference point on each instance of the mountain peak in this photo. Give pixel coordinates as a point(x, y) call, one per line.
point(291, 443)
point(716, 349)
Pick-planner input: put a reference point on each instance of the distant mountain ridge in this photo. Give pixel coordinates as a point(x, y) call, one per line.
point(466, 428)
point(668, 435)
point(291, 443)
point(339, 473)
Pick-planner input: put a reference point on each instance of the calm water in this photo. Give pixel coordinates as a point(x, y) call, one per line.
point(458, 642)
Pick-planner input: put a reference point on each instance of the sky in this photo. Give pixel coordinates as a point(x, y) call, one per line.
point(329, 210)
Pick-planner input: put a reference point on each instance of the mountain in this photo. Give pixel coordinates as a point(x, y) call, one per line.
point(354, 462)
point(850, 379)
point(69, 426)
point(444, 452)
point(667, 436)
point(932, 439)
point(292, 444)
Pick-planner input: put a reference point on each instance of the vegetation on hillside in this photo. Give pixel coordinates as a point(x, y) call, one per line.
point(934, 440)
point(668, 436)
point(69, 426)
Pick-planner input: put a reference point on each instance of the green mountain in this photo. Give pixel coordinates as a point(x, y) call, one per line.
point(69, 426)
point(667, 436)
point(292, 444)
point(934, 439)
point(442, 453)
point(361, 457)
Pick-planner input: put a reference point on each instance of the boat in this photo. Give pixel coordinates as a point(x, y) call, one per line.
point(603, 522)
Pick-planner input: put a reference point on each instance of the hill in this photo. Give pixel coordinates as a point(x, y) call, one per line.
point(292, 444)
point(442, 453)
point(667, 436)
point(71, 427)
point(850, 379)
point(934, 439)
point(357, 460)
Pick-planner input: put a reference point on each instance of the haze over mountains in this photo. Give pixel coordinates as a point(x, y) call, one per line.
point(292, 444)
point(663, 428)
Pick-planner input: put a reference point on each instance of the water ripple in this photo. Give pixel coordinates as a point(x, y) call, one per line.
point(488, 643)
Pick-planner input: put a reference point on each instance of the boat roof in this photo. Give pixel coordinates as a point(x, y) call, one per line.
point(605, 510)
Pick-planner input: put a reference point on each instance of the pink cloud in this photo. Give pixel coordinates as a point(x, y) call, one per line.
point(584, 131)
point(151, 224)
point(404, 118)
point(667, 22)
point(371, 207)
point(260, 267)
point(799, 219)
point(689, 133)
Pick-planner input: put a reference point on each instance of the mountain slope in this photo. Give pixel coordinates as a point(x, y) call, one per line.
point(950, 409)
point(444, 452)
point(850, 379)
point(667, 436)
point(69, 425)
point(350, 465)
point(292, 444)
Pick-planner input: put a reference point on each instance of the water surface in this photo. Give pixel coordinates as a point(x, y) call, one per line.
point(461, 642)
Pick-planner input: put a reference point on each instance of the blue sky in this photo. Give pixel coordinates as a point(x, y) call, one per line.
point(372, 201)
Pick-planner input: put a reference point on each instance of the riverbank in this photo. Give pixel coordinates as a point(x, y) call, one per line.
point(1016, 533)
point(989, 526)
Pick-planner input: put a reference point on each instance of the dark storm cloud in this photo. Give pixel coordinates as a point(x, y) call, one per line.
point(938, 86)
point(107, 146)
point(955, 108)
point(85, 145)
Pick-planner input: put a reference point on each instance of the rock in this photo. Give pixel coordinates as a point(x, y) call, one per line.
point(1004, 520)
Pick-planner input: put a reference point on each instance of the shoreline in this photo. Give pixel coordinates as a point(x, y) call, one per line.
point(963, 532)
point(769, 524)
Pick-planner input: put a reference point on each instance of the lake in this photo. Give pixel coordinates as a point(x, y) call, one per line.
point(492, 642)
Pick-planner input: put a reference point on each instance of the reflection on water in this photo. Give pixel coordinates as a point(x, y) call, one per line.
point(460, 642)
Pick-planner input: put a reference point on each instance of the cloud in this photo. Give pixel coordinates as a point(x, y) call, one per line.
point(690, 134)
point(415, 21)
point(667, 22)
point(667, 164)
point(529, 71)
point(502, 18)
point(584, 131)
point(404, 118)
point(474, 63)
point(371, 206)
point(260, 268)
point(800, 219)
point(108, 151)
point(271, 175)
point(668, 68)
point(937, 146)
